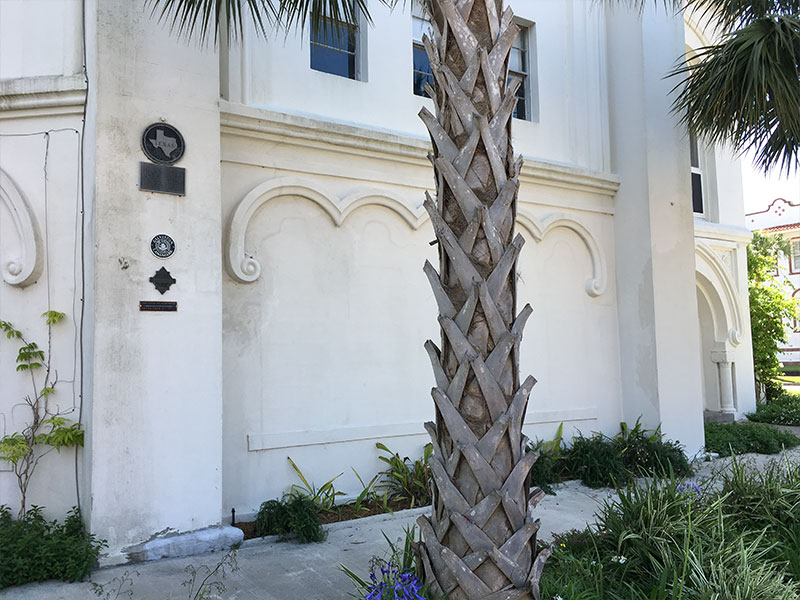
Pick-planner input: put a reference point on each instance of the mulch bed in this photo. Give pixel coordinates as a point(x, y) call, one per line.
point(346, 512)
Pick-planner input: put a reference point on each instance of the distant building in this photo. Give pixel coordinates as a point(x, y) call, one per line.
point(301, 304)
point(783, 217)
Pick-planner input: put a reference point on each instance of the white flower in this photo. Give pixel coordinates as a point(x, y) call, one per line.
point(619, 559)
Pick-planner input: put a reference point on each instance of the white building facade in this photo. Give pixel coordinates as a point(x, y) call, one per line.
point(302, 307)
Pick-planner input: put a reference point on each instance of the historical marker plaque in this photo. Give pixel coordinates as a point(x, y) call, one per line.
point(162, 246)
point(157, 306)
point(163, 144)
point(162, 178)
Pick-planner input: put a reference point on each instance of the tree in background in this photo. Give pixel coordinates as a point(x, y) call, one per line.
point(771, 308)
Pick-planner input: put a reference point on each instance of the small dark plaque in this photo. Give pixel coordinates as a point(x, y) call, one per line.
point(162, 246)
point(163, 144)
point(162, 280)
point(161, 178)
point(157, 306)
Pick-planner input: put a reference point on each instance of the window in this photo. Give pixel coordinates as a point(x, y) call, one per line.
point(422, 66)
point(519, 68)
point(335, 48)
point(520, 63)
point(697, 176)
point(794, 260)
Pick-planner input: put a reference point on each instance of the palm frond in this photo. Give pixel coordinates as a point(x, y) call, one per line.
point(201, 18)
point(746, 91)
point(640, 5)
point(733, 14)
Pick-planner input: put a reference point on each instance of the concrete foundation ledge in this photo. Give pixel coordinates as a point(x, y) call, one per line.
point(190, 543)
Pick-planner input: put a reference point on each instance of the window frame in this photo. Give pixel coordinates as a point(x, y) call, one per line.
point(359, 30)
point(792, 269)
point(695, 152)
point(530, 83)
point(417, 12)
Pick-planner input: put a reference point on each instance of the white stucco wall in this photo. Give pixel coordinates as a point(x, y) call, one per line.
point(156, 389)
point(190, 414)
point(324, 351)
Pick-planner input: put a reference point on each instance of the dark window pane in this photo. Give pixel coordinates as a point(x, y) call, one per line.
point(331, 61)
point(333, 49)
point(694, 154)
point(422, 71)
point(521, 110)
point(697, 193)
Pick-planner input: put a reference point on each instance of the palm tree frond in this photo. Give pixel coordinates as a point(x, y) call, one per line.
point(202, 17)
point(746, 91)
point(640, 5)
point(732, 14)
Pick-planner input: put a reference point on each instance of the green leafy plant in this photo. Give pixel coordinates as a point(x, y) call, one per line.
point(368, 492)
point(293, 514)
point(597, 461)
point(770, 307)
point(47, 428)
point(782, 410)
point(324, 497)
point(646, 452)
point(406, 479)
point(738, 438)
point(34, 549)
point(669, 539)
point(549, 467)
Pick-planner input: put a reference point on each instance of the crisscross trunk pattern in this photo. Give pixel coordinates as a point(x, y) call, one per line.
point(480, 541)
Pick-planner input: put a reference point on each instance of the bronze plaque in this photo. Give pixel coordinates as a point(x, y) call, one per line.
point(157, 306)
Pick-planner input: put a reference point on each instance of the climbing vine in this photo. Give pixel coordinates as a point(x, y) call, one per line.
point(47, 428)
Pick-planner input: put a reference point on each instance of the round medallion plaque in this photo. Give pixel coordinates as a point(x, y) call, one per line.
point(162, 246)
point(163, 143)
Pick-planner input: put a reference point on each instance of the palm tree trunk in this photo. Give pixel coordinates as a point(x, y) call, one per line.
point(480, 541)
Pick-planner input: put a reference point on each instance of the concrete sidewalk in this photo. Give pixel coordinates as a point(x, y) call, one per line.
point(272, 570)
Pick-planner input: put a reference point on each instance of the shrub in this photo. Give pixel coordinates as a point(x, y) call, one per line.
point(34, 549)
point(666, 540)
point(646, 453)
point(407, 480)
point(767, 500)
point(549, 467)
point(739, 438)
point(597, 461)
point(292, 514)
point(783, 410)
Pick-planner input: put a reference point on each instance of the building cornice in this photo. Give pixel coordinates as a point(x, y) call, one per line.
point(42, 96)
point(716, 231)
point(260, 123)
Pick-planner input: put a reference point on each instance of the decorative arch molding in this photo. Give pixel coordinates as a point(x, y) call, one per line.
point(716, 283)
point(24, 269)
point(597, 283)
point(246, 268)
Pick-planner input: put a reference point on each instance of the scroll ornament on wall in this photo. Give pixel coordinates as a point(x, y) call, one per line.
point(24, 265)
point(245, 268)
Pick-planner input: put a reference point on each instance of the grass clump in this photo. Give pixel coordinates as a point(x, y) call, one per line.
point(292, 514)
point(604, 461)
point(783, 410)
point(34, 549)
point(670, 540)
point(739, 438)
